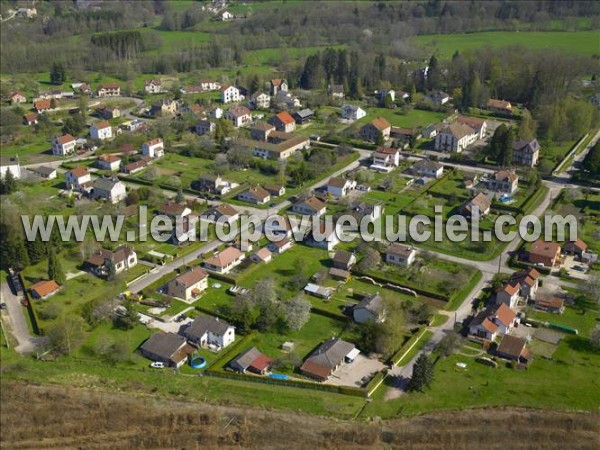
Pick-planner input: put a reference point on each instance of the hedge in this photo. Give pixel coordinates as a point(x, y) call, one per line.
point(375, 382)
point(419, 291)
point(31, 309)
point(228, 355)
point(346, 390)
point(407, 347)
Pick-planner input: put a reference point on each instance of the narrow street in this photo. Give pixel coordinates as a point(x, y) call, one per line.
point(14, 316)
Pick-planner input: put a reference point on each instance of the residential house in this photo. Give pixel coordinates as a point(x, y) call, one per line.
point(438, 97)
point(278, 85)
point(189, 285)
point(479, 125)
point(427, 168)
point(515, 349)
point(134, 167)
point(370, 309)
point(253, 361)
point(327, 358)
point(212, 183)
point(492, 322)
point(185, 222)
point(108, 162)
point(44, 289)
point(552, 304)
point(280, 147)
point(344, 260)
point(256, 195)
point(63, 145)
point(230, 94)
point(545, 253)
point(17, 98)
point(41, 106)
point(10, 164)
point(400, 255)
point(279, 226)
point(239, 116)
point(353, 112)
point(362, 210)
point(205, 126)
point(109, 90)
point(110, 189)
point(79, 179)
point(312, 206)
point(260, 130)
point(304, 116)
point(108, 113)
point(383, 93)
point(431, 131)
point(210, 85)
point(101, 130)
point(30, 119)
point(225, 16)
point(505, 181)
point(577, 247)
point(165, 107)
point(283, 122)
point(455, 138)
point(280, 246)
point(46, 172)
point(405, 136)
point(262, 255)
point(478, 206)
point(526, 153)
point(154, 148)
point(260, 100)
point(207, 331)
point(340, 187)
point(323, 237)
point(223, 212)
point(153, 86)
point(501, 106)
point(377, 127)
point(276, 190)
point(335, 90)
point(385, 159)
point(225, 261)
point(103, 261)
point(169, 348)
point(216, 113)
point(527, 282)
point(285, 100)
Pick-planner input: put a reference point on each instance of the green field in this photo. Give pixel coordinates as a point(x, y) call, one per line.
point(583, 42)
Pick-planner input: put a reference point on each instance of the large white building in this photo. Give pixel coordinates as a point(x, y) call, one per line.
point(63, 145)
point(455, 138)
point(10, 165)
point(230, 94)
point(154, 148)
point(101, 130)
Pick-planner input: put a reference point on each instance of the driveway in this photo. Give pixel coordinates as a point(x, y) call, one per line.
point(167, 327)
point(14, 317)
point(352, 374)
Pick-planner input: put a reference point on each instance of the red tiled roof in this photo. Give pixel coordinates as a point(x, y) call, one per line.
point(109, 158)
point(285, 118)
point(65, 138)
point(101, 125)
point(79, 172)
point(505, 314)
point(44, 287)
point(544, 249)
point(380, 123)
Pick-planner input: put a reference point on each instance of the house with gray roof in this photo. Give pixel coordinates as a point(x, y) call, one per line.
point(168, 348)
point(206, 331)
point(327, 358)
point(371, 308)
point(252, 360)
point(110, 189)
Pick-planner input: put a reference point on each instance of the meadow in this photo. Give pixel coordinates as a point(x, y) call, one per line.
point(583, 42)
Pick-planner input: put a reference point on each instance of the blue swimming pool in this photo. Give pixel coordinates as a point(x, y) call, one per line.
point(278, 376)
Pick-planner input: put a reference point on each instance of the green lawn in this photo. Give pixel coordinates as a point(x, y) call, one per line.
point(584, 42)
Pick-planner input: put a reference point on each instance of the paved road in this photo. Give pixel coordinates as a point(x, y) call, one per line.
point(14, 317)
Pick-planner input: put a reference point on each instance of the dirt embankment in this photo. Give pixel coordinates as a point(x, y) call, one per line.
point(43, 417)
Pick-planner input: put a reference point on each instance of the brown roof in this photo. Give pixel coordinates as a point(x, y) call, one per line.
point(552, 302)
point(258, 192)
point(473, 122)
point(226, 257)
point(153, 81)
point(16, 93)
point(44, 287)
point(314, 203)
point(134, 165)
point(380, 123)
point(31, 117)
point(65, 138)
point(226, 210)
point(506, 175)
point(273, 187)
point(510, 289)
point(263, 253)
point(458, 130)
point(101, 125)
point(282, 243)
point(527, 277)
point(154, 141)
point(109, 158)
point(500, 104)
point(343, 257)
point(263, 126)
point(109, 86)
point(579, 244)
point(285, 118)
point(172, 208)
point(43, 104)
point(481, 201)
point(337, 182)
point(544, 249)
point(387, 150)
point(399, 249)
point(239, 111)
point(79, 172)
point(276, 81)
point(192, 276)
point(505, 314)
point(512, 346)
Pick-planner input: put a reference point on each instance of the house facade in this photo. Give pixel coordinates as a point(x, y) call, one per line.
point(526, 153)
point(154, 148)
point(505, 181)
point(372, 130)
point(109, 90)
point(230, 94)
point(256, 195)
point(455, 138)
point(225, 261)
point(189, 285)
point(400, 255)
point(207, 331)
point(385, 159)
point(110, 189)
point(353, 112)
point(239, 116)
point(340, 187)
point(101, 131)
point(63, 145)
point(312, 206)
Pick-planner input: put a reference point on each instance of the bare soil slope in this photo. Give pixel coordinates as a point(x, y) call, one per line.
point(43, 417)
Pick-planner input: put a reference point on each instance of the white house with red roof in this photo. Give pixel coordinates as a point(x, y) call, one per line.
point(385, 159)
point(283, 122)
point(17, 97)
point(79, 179)
point(230, 94)
point(101, 130)
point(154, 148)
point(63, 145)
point(108, 162)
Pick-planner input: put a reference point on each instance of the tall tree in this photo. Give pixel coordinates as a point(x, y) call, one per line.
point(422, 375)
point(9, 184)
point(57, 73)
point(55, 270)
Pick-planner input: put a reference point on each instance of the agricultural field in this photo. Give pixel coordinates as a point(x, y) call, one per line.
point(583, 42)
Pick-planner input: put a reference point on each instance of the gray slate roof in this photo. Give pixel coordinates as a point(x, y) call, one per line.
point(331, 353)
point(203, 324)
point(163, 344)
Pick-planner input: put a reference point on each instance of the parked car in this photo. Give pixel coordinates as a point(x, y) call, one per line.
point(180, 318)
point(157, 365)
point(579, 268)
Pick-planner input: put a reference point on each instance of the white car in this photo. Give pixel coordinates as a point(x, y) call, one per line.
point(157, 365)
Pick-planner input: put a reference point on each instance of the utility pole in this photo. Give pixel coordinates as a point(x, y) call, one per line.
point(499, 262)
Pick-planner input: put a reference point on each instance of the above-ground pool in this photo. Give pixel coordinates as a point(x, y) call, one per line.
point(197, 363)
point(278, 376)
